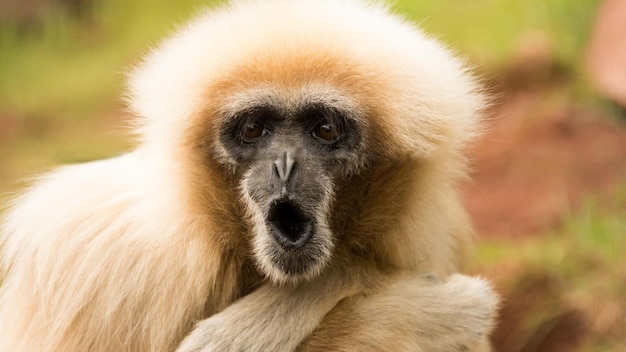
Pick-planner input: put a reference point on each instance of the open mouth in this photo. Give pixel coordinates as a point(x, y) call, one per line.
point(292, 228)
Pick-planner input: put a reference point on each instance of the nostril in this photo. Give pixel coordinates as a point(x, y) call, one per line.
point(284, 166)
point(277, 170)
point(292, 226)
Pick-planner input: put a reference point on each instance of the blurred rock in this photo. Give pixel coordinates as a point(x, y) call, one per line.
point(606, 54)
point(532, 64)
point(535, 318)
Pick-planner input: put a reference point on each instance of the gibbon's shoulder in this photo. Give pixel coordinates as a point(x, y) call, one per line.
point(77, 183)
point(82, 199)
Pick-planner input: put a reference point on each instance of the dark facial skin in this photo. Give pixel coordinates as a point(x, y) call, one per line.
point(288, 161)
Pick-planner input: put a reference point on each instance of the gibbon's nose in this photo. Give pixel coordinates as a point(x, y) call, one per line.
point(291, 227)
point(284, 165)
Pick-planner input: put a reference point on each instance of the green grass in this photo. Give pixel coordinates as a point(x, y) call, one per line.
point(73, 66)
point(594, 240)
point(591, 240)
point(579, 266)
point(489, 30)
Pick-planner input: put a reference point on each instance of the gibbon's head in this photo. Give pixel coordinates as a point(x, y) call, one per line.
point(283, 106)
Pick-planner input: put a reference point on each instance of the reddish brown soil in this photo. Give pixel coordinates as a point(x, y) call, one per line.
point(540, 158)
point(543, 154)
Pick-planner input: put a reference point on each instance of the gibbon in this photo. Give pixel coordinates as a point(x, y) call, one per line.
point(294, 188)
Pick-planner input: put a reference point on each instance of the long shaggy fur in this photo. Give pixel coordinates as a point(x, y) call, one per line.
point(126, 254)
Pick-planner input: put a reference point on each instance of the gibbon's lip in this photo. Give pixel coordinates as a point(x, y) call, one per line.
point(290, 225)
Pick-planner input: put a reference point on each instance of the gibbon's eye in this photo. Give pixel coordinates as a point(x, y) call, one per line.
point(252, 131)
point(326, 132)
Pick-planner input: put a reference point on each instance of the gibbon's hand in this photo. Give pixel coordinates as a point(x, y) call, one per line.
point(271, 318)
point(412, 313)
point(455, 315)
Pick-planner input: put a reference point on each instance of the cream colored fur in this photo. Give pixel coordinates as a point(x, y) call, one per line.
point(407, 312)
point(127, 254)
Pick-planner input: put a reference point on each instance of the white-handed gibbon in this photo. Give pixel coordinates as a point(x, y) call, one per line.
point(294, 188)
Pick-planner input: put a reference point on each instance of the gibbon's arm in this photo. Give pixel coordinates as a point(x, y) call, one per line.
point(272, 318)
point(410, 313)
point(407, 312)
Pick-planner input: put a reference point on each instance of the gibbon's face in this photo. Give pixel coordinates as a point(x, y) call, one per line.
point(285, 106)
point(288, 151)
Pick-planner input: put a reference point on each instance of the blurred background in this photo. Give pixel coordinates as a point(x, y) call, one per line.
point(549, 191)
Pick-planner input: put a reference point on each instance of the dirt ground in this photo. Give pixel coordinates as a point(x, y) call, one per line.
point(543, 155)
point(543, 151)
